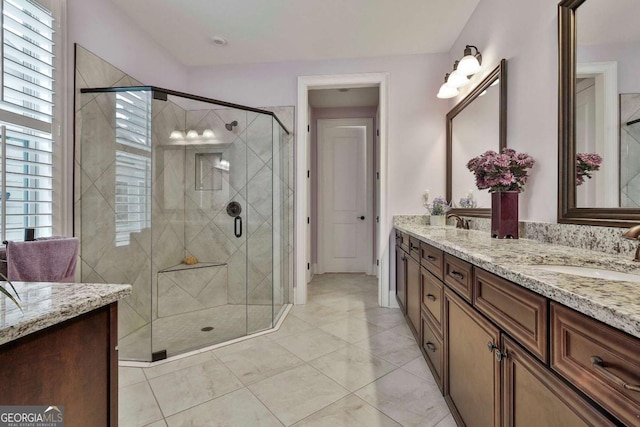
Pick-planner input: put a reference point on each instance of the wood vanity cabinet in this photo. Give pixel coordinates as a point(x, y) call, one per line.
point(472, 372)
point(500, 361)
point(532, 396)
point(408, 289)
point(72, 364)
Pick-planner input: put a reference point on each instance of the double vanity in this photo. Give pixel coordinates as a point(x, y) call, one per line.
point(513, 336)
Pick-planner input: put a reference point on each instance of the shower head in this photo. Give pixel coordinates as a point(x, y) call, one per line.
point(230, 126)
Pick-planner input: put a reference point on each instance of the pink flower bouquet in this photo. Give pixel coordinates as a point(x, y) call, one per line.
point(501, 172)
point(585, 164)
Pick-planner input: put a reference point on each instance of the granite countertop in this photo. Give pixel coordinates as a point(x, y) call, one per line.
point(615, 303)
point(46, 304)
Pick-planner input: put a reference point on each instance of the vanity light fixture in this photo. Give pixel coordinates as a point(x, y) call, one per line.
point(456, 78)
point(446, 90)
point(463, 69)
point(192, 134)
point(470, 62)
point(208, 133)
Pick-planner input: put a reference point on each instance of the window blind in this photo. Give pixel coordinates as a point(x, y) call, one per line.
point(133, 164)
point(26, 114)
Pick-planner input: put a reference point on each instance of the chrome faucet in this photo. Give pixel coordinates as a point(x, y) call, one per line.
point(460, 222)
point(634, 234)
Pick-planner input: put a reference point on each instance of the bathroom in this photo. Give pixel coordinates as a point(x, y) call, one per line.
point(257, 61)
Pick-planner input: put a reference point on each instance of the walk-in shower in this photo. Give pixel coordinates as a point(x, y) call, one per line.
point(196, 216)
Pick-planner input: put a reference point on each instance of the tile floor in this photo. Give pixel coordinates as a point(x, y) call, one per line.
point(339, 360)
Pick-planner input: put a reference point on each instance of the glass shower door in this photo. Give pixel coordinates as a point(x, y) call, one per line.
point(200, 224)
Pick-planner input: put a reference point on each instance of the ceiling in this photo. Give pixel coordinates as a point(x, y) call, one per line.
point(334, 98)
point(294, 30)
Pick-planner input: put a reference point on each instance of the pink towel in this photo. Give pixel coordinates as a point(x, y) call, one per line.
point(51, 260)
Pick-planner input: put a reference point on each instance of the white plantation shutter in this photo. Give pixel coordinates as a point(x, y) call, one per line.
point(26, 114)
point(133, 164)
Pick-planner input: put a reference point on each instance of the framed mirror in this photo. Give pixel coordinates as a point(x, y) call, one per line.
point(599, 112)
point(476, 124)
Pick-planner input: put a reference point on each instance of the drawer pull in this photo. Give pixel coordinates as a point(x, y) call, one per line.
point(431, 297)
point(431, 258)
point(601, 367)
point(457, 275)
point(413, 247)
point(431, 346)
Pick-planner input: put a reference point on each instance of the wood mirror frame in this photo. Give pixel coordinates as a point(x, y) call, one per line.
point(500, 72)
point(568, 213)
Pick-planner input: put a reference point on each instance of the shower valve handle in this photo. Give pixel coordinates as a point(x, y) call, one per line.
point(237, 226)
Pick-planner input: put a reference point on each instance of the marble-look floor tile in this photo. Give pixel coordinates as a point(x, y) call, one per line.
point(407, 399)
point(238, 408)
point(402, 329)
point(352, 329)
point(291, 325)
point(256, 359)
point(314, 313)
point(419, 367)
point(160, 423)
point(192, 386)
point(352, 367)
point(392, 347)
point(176, 365)
point(128, 376)
point(385, 318)
point(448, 421)
point(311, 344)
point(297, 393)
point(137, 406)
point(349, 411)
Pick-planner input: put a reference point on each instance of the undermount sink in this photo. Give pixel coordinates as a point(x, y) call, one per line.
point(589, 272)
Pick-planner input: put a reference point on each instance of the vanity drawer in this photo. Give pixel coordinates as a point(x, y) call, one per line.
point(433, 348)
point(414, 248)
point(518, 311)
point(432, 259)
point(432, 298)
point(402, 240)
point(458, 275)
point(576, 340)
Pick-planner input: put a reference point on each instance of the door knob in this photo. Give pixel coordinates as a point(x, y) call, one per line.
point(361, 217)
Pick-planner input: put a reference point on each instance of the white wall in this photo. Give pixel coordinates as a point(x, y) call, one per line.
point(626, 55)
point(525, 33)
point(416, 116)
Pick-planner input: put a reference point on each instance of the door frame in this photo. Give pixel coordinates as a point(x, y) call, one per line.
point(370, 141)
point(607, 122)
point(384, 226)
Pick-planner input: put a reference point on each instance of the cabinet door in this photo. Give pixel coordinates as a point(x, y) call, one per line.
point(533, 396)
point(472, 371)
point(401, 278)
point(414, 296)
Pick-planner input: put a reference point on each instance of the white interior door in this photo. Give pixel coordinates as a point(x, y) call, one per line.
point(345, 158)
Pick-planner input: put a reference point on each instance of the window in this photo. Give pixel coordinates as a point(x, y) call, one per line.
point(26, 119)
point(133, 164)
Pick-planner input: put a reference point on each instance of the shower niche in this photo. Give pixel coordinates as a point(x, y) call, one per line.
point(157, 171)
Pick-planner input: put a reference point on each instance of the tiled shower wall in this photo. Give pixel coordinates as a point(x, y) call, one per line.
point(185, 221)
point(630, 151)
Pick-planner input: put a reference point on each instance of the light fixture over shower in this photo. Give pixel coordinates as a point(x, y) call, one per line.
point(462, 70)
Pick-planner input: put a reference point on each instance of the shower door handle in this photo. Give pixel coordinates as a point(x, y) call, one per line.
point(237, 226)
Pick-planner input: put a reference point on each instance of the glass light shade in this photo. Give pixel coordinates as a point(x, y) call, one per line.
point(483, 93)
point(176, 134)
point(192, 134)
point(456, 79)
point(469, 65)
point(447, 91)
point(496, 82)
point(208, 133)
